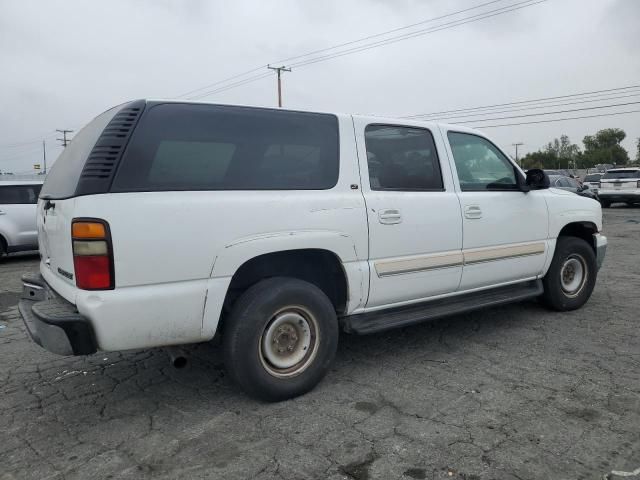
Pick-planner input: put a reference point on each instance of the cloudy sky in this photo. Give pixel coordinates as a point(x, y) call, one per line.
point(63, 62)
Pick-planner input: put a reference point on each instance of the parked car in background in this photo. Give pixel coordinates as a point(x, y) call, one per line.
point(291, 225)
point(571, 185)
point(592, 180)
point(620, 185)
point(18, 203)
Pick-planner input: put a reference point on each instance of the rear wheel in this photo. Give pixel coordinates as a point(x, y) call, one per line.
point(572, 275)
point(3, 247)
point(280, 338)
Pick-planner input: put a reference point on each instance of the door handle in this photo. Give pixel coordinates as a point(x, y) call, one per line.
point(389, 216)
point(472, 211)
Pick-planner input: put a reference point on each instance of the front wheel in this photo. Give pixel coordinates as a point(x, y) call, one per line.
point(572, 275)
point(280, 338)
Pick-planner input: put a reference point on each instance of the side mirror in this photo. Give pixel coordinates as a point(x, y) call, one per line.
point(537, 179)
point(583, 188)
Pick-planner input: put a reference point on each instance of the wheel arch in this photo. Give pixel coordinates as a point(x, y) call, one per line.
point(329, 260)
point(583, 229)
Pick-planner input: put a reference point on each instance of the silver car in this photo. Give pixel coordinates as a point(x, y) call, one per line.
point(18, 202)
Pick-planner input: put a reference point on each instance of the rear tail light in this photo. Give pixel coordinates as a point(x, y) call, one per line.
point(92, 254)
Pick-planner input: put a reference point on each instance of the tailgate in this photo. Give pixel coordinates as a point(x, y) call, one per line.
point(54, 238)
point(618, 184)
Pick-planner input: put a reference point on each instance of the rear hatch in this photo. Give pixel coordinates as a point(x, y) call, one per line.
point(84, 167)
point(620, 180)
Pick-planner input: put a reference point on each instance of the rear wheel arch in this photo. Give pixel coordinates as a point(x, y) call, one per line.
point(322, 268)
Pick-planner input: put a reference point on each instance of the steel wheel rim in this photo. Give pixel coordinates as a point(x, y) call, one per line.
point(573, 275)
point(289, 342)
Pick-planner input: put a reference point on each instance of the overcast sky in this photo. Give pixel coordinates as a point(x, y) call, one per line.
point(63, 62)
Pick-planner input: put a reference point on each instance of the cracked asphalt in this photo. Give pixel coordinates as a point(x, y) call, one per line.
point(516, 392)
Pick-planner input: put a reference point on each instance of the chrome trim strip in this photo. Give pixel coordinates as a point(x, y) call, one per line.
point(419, 264)
point(474, 256)
point(438, 261)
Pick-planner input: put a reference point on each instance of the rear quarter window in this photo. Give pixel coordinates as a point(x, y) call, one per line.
point(621, 174)
point(214, 147)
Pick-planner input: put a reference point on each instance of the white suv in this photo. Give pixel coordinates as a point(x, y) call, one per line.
point(164, 223)
point(620, 185)
point(18, 215)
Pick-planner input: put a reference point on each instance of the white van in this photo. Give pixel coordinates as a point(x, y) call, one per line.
point(164, 223)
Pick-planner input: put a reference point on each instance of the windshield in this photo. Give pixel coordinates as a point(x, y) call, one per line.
point(621, 174)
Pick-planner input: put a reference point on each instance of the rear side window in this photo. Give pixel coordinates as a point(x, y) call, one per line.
point(480, 165)
point(402, 158)
point(63, 177)
point(19, 194)
point(214, 147)
point(621, 174)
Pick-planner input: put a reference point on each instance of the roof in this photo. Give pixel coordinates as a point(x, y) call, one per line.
point(625, 169)
point(370, 117)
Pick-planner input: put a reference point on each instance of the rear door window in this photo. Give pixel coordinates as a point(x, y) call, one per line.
point(402, 158)
point(214, 147)
point(19, 194)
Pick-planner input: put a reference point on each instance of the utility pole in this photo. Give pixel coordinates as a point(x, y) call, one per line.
point(44, 156)
point(64, 136)
point(279, 70)
point(517, 145)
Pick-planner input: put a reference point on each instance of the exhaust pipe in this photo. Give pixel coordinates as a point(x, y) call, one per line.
point(177, 357)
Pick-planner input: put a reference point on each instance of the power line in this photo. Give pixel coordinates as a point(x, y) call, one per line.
point(532, 107)
point(558, 119)
point(474, 18)
point(522, 101)
point(381, 34)
point(551, 113)
point(418, 33)
point(186, 94)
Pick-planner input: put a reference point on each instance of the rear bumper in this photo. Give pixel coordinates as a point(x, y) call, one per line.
point(52, 322)
point(620, 195)
point(600, 242)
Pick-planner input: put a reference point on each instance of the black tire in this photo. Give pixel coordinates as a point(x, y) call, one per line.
point(3, 247)
point(249, 338)
point(605, 203)
point(571, 254)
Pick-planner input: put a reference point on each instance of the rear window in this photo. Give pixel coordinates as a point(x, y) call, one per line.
point(214, 147)
point(592, 178)
point(63, 177)
point(621, 174)
point(19, 194)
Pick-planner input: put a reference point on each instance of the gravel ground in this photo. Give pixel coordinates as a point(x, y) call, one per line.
point(516, 392)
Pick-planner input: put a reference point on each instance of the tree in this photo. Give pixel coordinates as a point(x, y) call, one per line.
point(539, 159)
point(638, 150)
point(565, 152)
point(604, 147)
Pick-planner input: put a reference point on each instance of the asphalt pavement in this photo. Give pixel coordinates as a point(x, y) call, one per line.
point(515, 392)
